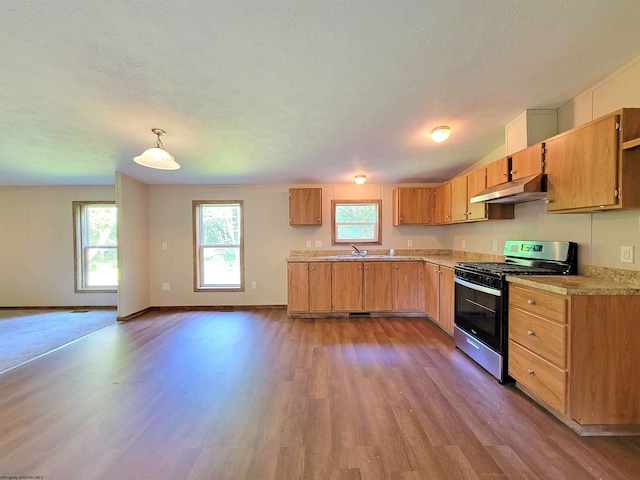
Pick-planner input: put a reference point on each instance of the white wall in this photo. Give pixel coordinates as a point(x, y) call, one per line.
point(36, 246)
point(268, 239)
point(133, 245)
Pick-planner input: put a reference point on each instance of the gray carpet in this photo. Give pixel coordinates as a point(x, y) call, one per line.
point(26, 334)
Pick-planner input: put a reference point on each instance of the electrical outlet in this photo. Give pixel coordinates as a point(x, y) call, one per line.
point(253, 285)
point(464, 244)
point(494, 246)
point(409, 243)
point(164, 245)
point(308, 243)
point(626, 254)
point(318, 243)
point(166, 286)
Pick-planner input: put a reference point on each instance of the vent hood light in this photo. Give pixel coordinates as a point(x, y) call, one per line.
point(524, 189)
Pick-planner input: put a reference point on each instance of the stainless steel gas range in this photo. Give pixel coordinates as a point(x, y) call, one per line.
point(482, 297)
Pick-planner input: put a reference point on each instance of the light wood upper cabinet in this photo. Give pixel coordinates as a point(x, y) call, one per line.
point(476, 182)
point(305, 206)
point(527, 162)
point(498, 172)
point(459, 200)
point(347, 286)
point(595, 166)
point(465, 187)
point(413, 206)
point(378, 294)
point(442, 204)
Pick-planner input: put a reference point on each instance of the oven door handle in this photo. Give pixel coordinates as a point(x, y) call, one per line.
point(474, 286)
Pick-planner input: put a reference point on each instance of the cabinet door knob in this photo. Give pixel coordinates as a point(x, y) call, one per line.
point(366, 268)
point(513, 172)
point(318, 220)
point(504, 174)
point(531, 302)
point(531, 333)
point(401, 218)
point(529, 371)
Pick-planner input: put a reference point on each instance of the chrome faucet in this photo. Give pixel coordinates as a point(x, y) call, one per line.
point(355, 248)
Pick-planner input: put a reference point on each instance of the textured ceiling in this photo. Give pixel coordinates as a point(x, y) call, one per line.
point(288, 92)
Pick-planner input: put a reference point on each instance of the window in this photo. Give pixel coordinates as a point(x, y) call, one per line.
point(95, 246)
point(356, 222)
point(218, 240)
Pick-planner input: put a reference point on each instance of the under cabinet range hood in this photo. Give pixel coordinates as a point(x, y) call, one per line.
point(524, 189)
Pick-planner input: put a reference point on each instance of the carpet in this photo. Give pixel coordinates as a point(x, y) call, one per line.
point(29, 333)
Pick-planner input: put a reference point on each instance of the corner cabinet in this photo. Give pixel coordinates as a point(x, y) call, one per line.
point(413, 206)
point(576, 355)
point(595, 166)
point(305, 207)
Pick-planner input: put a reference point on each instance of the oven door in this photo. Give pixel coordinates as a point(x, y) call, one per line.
point(479, 311)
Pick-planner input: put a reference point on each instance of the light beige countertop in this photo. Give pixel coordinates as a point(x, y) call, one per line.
point(353, 258)
point(575, 285)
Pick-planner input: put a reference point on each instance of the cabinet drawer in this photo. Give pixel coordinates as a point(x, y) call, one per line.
point(541, 377)
point(538, 303)
point(544, 338)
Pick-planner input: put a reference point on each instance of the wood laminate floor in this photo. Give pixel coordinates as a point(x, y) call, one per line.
point(255, 395)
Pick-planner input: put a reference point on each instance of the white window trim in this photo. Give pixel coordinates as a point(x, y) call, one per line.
point(80, 247)
point(198, 248)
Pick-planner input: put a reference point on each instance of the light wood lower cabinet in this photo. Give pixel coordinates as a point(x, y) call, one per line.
point(578, 355)
point(355, 286)
point(309, 287)
point(439, 295)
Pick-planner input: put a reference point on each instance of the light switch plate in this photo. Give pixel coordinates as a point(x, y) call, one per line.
point(166, 286)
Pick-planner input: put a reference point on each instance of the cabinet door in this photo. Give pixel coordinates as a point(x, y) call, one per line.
point(498, 172)
point(432, 290)
point(411, 206)
point(298, 287)
point(582, 167)
point(319, 287)
point(406, 286)
point(442, 203)
point(459, 199)
point(347, 286)
point(377, 286)
point(527, 162)
point(305, 206)
point(476, 182)
point(446, 298)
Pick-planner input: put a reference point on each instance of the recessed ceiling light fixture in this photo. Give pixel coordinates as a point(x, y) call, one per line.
point(157, 157)
point(360, 179)
point(441, 133)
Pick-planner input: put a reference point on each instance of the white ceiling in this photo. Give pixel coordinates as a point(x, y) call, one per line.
point(287, 92)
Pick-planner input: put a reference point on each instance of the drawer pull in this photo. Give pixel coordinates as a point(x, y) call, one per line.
point(529, 371)
point(531, 333)
point(531, 302)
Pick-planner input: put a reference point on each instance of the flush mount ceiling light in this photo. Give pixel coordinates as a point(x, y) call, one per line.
point(441, 133)
point(157, 157)
point(360, 179)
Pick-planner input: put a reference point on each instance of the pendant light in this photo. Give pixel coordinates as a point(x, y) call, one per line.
point(157, 157)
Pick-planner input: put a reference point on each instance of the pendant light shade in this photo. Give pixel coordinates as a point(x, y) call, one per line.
point(157, 157)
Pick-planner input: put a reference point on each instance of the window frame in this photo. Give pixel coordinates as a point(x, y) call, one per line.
point(80, 245)
point(198, 248)
point(334, 230)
